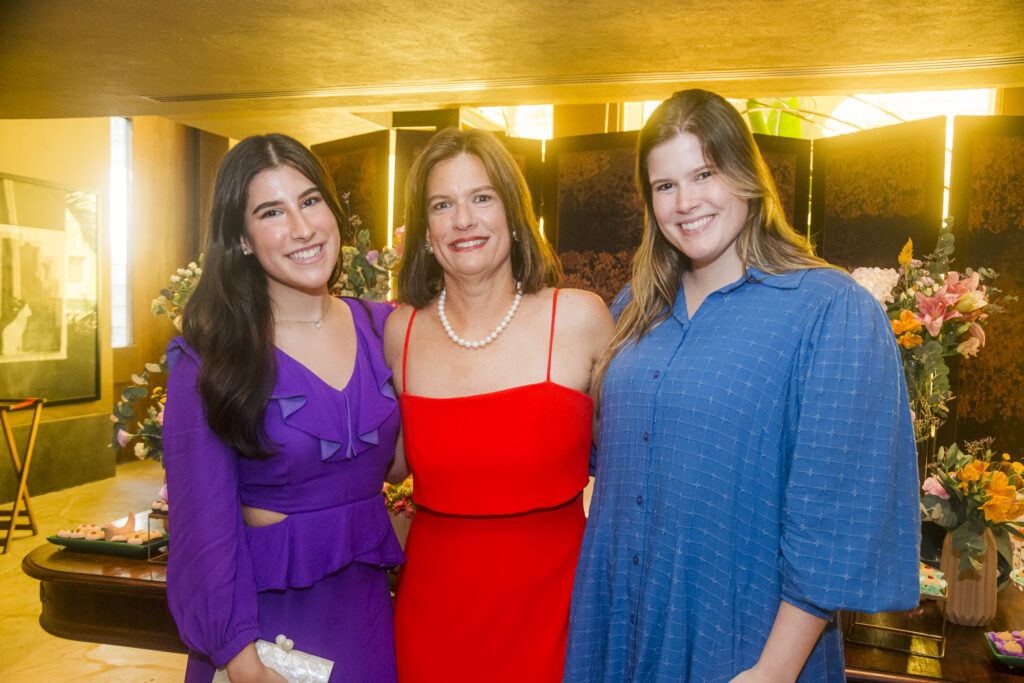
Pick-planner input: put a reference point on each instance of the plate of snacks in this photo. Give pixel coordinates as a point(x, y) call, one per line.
point(932, 582)
point(121, 540)
point(1007, 647)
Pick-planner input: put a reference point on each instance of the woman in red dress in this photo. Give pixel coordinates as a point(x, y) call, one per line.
point(493, 368)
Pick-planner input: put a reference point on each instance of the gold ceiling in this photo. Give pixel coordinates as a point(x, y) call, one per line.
point(308, 68)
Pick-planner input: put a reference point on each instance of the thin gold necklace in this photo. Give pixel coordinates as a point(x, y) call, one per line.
point(314, 323)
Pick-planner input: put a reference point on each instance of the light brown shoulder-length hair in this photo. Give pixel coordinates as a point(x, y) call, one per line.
point(534, 263)
point(766, 241)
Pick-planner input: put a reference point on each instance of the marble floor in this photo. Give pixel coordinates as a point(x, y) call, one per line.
point(28, 654)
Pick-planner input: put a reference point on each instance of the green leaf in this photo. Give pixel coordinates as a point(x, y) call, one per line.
point(1003, 545)
point(140, 379)
point(153, 367)
point(133, 394)
point(125, 412)
point(789, 124)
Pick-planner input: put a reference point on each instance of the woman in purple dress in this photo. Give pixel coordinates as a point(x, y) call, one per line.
point(279, 425)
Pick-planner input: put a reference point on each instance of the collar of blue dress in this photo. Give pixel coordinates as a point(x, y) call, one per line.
point(753, 276)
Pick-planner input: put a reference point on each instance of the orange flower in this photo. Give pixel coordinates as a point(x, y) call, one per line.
point(906, 253)
point(909, 340)
point(998, 509)
point(972, 471)
point(907, 322)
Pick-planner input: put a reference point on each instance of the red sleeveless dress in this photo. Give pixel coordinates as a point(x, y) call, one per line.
point(491, 555)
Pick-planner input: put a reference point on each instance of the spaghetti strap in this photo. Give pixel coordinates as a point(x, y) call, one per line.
point(405, 351)
point(551, 341)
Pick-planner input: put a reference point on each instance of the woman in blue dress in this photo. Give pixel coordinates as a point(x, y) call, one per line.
point(756, 468)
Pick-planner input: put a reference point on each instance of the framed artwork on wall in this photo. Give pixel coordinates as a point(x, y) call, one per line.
point(49, 284)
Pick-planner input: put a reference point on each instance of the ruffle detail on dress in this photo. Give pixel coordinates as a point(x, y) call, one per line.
point(347, 422)
point(304, 547)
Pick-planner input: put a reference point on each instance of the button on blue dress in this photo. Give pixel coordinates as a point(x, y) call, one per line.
point(761, 451)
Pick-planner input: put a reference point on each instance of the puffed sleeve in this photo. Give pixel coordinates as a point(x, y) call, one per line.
point(210, 586)
point(850, 520)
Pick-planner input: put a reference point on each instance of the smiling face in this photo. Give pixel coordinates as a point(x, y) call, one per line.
point(467, 225)
point(291, 231)
point(696, 212)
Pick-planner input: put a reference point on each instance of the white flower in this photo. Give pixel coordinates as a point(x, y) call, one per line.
point(175, 278)
point(878, 281)
point(140, 450)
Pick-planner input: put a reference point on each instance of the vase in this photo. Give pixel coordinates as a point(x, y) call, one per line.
point(971, 594)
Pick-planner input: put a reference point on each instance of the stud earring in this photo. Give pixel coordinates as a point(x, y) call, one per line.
point(428, 248)
point(515, 235)
point(245, 250)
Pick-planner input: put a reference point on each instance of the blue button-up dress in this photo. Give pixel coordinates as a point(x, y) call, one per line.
point(761, 451)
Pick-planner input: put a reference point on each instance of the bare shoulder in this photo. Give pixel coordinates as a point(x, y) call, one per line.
point(394, 334)
point(584, 314)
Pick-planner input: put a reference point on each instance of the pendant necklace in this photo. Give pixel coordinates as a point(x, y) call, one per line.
point(489, 338)
point(314, 323)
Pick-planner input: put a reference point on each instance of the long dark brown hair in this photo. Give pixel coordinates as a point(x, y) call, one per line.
point(534, 262)
point(766, 241)
point(228, 319)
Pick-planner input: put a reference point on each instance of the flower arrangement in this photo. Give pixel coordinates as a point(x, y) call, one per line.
point(366, 275)
point(935, 313)
point(970, 491)
point(365, 272)
point(398, 497)
point(149, 430)
point(171, 302)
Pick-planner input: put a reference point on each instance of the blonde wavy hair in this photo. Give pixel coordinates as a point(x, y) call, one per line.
point(766, 241)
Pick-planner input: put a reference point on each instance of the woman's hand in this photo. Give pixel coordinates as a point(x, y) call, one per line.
point(246, 667)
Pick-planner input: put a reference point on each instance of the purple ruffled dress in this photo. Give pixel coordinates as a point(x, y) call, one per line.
point(318, 576)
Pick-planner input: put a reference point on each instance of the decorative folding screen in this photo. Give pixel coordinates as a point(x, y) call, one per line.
point(789, 160)
point(359, 166)
point(987, 204)
point(875, 188)
point(591, 209)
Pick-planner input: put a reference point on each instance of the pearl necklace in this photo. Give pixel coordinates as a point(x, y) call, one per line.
point(489, 338)
point(314, 323)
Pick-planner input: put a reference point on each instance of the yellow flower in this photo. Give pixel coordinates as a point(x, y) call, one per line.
point(1017, 467)
point(907, 253)
point(1006, 456)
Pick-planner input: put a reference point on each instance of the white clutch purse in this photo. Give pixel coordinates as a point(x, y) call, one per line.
point(294, 665)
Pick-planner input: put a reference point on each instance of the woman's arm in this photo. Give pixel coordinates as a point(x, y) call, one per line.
point(790, 642)
point(399, 468)
point(210, 588)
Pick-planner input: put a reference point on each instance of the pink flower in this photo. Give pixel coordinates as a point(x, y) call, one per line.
point(122, 437)
point(931, 485)
point(371, 256)
point(159, 419)
point(933, 311)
